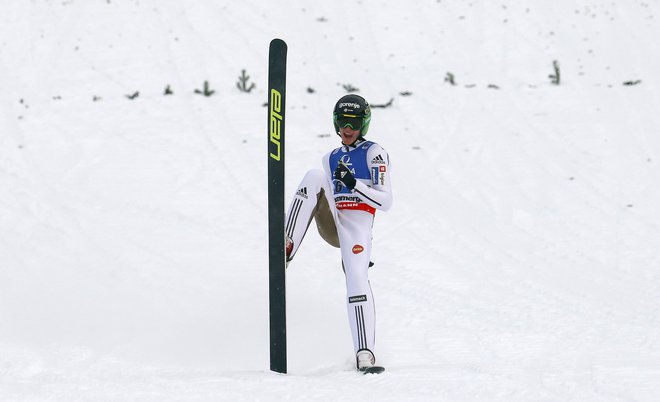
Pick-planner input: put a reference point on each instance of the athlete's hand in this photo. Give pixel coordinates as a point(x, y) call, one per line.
point(344, 175)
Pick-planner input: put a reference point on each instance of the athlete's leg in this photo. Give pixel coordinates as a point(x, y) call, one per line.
point(354, 230)
point(310, 198)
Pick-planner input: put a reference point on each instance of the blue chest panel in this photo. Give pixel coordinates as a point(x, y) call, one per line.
point(355, 159)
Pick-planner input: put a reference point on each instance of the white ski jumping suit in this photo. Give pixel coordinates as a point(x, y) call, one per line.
point(345, 219)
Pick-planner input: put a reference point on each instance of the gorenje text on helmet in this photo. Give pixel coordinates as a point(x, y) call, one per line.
point(352, 105)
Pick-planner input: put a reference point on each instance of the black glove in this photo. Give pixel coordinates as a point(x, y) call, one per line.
point(345, 176)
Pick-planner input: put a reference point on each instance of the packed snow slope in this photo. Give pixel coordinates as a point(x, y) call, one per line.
point(519, 261)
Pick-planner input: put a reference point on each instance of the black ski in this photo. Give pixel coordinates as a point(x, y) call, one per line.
point(373, 370)
point(276, 256)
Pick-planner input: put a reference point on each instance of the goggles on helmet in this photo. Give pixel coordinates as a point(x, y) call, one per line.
point(349, 120)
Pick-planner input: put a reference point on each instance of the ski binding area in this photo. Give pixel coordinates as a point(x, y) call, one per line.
point(373, 370)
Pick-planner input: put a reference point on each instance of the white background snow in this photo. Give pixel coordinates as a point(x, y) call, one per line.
point(519, 262)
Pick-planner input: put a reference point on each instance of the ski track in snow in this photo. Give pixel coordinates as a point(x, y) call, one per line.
point(519, 261)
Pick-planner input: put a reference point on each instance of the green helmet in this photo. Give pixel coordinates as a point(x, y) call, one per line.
point(352, 111)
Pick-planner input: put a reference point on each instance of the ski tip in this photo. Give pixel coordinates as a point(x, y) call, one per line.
point(277, 42)
point(373, 370)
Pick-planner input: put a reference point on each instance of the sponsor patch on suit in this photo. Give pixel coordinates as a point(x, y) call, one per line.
point(357, 299)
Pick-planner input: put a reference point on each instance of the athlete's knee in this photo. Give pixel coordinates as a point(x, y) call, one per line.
point(314, 176)
point(311, 184)
point(356, 273)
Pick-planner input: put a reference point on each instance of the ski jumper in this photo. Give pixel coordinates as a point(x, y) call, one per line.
point(345, 219)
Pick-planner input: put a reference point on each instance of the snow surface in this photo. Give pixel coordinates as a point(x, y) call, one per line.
point(519, 262)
